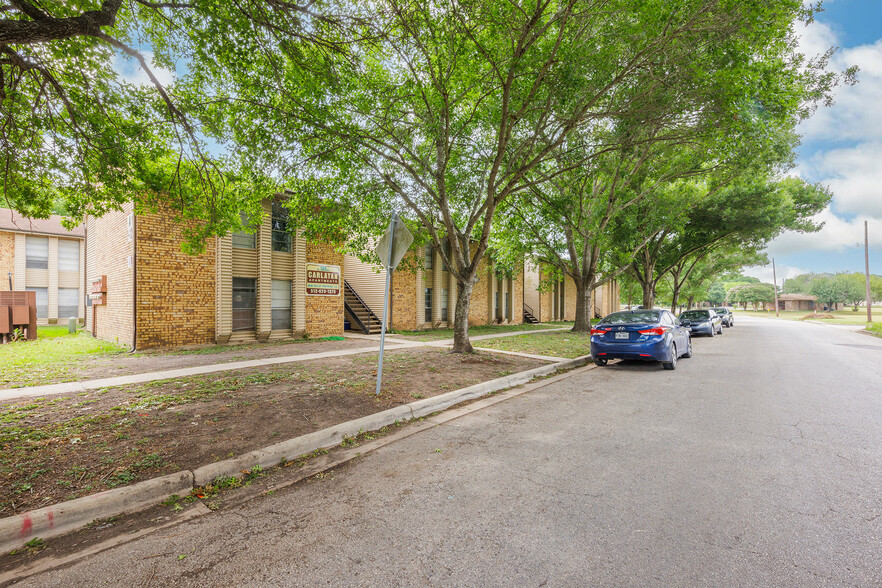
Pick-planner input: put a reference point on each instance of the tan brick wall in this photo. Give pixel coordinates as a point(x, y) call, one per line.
point(404, 295)
point(479, 305)
point(569, 299)
point(517, 299)
point(7, 258)
point(175, 291)
point(324, 314)
point(108, 251)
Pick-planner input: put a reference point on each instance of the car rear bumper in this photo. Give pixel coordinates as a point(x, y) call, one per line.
point(702, 329)
point(647, 351)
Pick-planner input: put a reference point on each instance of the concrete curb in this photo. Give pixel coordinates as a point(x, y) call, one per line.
point(64, 517)
point(68, 516)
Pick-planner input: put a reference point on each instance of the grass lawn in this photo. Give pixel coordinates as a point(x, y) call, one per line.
point(875, 328)
point(29, 363)
point(842, 317)
point(559, 344)
point(435, 334)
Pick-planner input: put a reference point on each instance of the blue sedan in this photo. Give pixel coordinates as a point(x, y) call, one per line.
point(650, 335)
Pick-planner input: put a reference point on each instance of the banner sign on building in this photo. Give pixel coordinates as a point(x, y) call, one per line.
point(323, 280)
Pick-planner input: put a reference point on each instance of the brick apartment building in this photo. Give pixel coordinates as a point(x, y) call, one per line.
point(249, 286)
point(558, 300)
point(42, 256)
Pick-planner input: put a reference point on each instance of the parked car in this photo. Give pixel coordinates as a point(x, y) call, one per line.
point(702, 322)
point(725, 315)
point(649, 335)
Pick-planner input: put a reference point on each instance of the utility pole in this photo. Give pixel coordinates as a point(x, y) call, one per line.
point(775, 285)
point(867, 262)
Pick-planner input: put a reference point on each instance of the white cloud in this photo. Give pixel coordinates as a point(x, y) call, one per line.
point(837, 235)
point(855, 176)
point(764, 273)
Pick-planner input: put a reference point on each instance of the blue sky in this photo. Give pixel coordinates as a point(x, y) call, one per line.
point(841, 148)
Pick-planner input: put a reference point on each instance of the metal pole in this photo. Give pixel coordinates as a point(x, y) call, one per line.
point(867, 262)
point(385, 304)
point(775, 280)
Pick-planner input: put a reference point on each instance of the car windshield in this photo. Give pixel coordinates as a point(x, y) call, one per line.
point(720, 310)
point(695, 315)
point(632, 318)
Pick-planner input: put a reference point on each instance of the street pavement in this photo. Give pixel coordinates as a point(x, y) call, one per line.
point(758, 462)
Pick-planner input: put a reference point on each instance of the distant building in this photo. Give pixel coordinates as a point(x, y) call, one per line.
point(805, 302)
point(42, 256)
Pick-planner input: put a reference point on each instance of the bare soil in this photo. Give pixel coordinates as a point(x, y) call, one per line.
point(66, 446)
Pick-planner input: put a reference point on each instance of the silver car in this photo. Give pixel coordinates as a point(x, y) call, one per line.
point(726, 315)
point(702, 322)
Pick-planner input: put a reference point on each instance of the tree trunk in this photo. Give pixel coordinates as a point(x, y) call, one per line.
point(675, 297)
point(584, 306)
point(690, 302)
point(461, 342)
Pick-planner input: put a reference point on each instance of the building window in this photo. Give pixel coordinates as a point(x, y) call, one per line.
point(68, 302)
point(281, 307)
point(42, 302)
point(37, 253)
point(444, 304)
point(244, 303)
point(429, 257)
point(281, 236)
point(428, 305)
point(245, 239)
point(68, 256)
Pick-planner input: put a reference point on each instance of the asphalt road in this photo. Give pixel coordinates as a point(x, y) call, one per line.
point(758, 462)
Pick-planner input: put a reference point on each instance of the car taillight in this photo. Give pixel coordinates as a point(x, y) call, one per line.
point(654, 331)
point(599, 331)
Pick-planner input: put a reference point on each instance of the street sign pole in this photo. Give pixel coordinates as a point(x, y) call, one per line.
point(391, 232)
point(775, 281)
point(390, 250)
point(867, 264)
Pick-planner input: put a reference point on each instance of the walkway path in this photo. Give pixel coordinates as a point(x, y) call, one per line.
point(392, 344)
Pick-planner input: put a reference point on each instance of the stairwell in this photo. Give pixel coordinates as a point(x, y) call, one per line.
point(360, 315)
point(528, 316)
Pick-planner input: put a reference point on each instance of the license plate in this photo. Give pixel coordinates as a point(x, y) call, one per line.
point(625, 335)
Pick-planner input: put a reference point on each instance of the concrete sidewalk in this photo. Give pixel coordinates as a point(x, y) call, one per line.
point(391, 344)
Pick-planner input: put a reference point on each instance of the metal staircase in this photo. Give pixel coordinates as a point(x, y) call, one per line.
point(528, 316)
point(359, 312)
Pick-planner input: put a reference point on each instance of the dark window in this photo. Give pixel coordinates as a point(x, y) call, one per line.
point(281, 304)
point(68, 303)
point(246, 238)
point(444, 300)
point(428, 305)
point(429, 257)
point(281, 236)
point(244, 303)
point(37, 253)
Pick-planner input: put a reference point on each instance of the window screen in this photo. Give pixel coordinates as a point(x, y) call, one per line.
point(245, 239)
point(68, 256)
point(68, 303)
point(428, 305)
point(244, 303)
point(42, 302)
point(37, 253)
point(281, 308)
point(281, 237)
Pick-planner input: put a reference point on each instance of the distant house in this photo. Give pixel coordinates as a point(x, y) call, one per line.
point(42, 256)
point(805, 302)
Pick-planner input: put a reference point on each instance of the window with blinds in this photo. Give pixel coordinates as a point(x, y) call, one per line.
point(244, 303)
point(428, 305)
point(246, 238)
point(68, 302)
point(68, 256)
point(37, 253)
point(42, 302)
point(444, 304)
point(429, 257)
point(281, 304)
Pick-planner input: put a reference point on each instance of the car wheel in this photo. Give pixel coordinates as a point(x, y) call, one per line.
point(671, 365)
point(720, 332)
point(713, 331)
point(601, 361)
point(688, 353)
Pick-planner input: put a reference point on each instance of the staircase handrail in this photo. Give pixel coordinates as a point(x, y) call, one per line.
point(364, 328)
point(363, 303)
point(528, 309)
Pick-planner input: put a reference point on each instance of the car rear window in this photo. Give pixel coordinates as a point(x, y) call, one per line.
point(631, 318)
point(720, 310)
point(692, 315)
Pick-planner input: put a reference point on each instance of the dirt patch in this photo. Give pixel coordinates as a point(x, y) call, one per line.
point(71, 445)
point(90, 368)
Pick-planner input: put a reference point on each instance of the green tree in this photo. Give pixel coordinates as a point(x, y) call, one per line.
point(716, 294)
point(753, 294)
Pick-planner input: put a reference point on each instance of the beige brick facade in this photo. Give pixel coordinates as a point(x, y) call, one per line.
point(110, 250)
point(7, 258)
point(175, 291)
point(324, 314)
point(404, 295)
